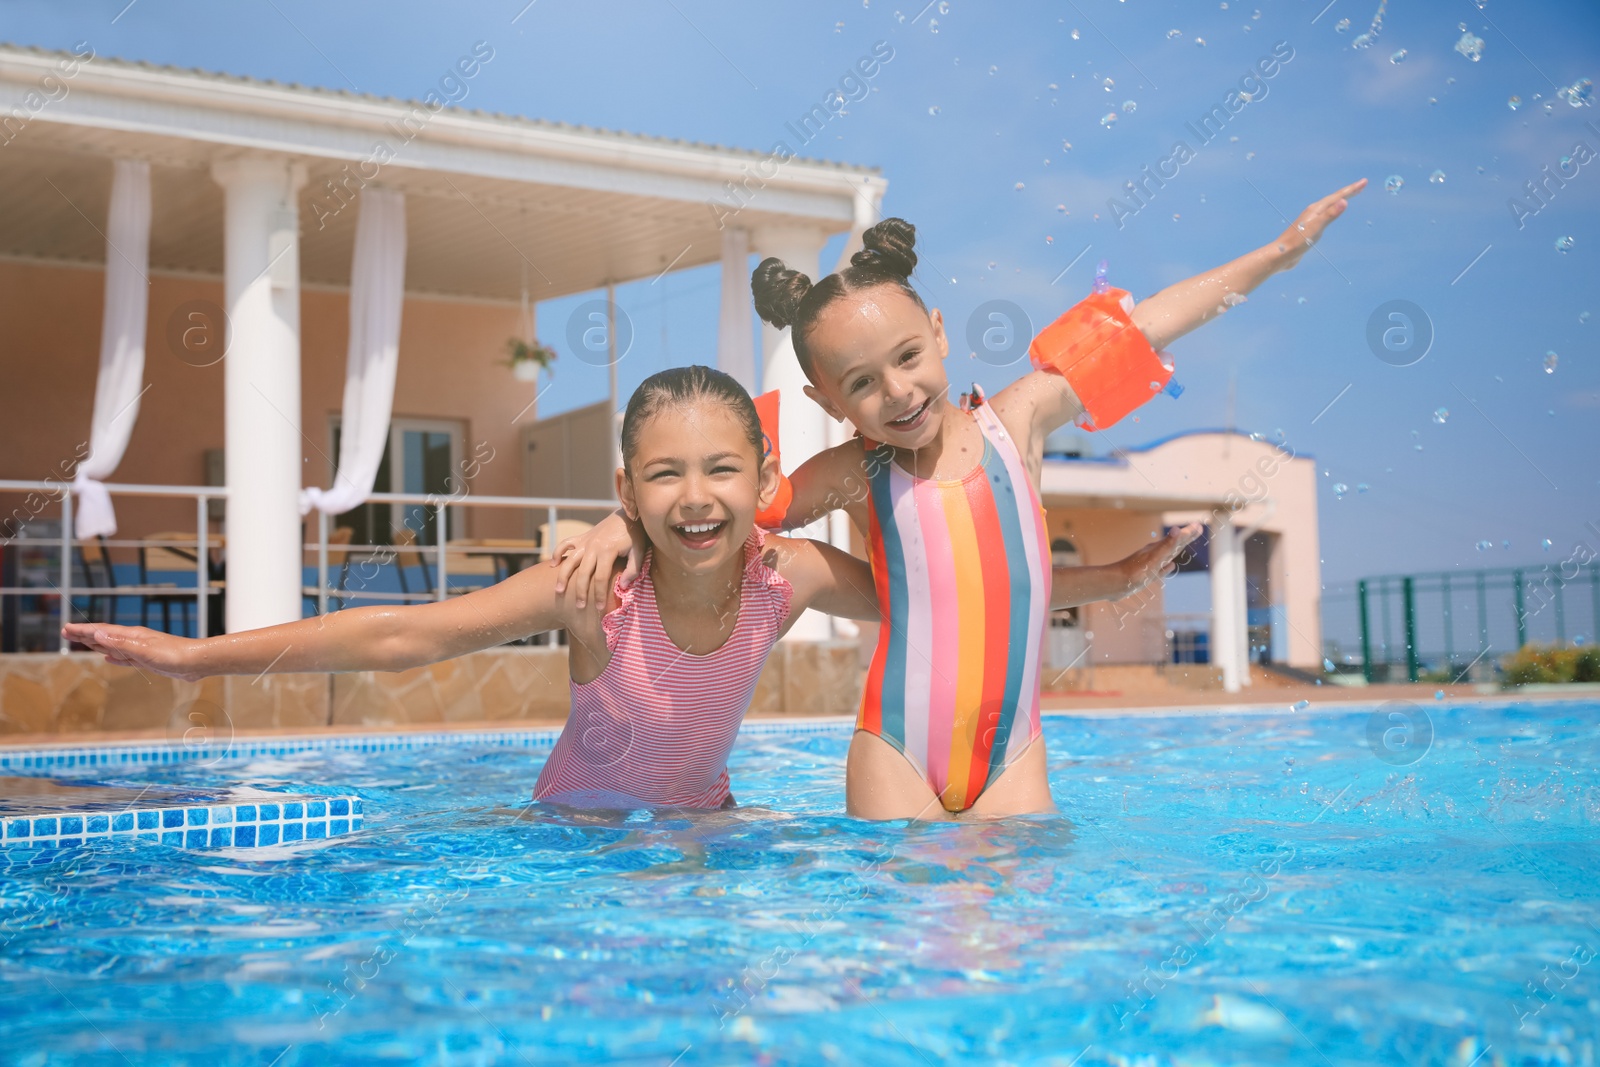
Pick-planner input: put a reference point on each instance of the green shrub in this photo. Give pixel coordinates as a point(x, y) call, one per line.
point(1535, 664)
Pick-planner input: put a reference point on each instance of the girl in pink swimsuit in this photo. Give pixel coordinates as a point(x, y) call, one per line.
point(661, 681)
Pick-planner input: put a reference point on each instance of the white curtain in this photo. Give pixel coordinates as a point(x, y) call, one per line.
point(377, 289)
point(117, 389)
point(736, 353)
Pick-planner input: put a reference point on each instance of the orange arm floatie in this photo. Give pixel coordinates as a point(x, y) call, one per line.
point(1104, 357)
point(771, 517)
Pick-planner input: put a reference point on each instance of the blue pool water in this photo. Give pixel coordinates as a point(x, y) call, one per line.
point(1295, 887)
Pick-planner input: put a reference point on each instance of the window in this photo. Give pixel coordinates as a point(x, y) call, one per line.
point(423, 457)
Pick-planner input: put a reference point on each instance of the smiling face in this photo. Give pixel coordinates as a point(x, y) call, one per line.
point(878, 360)
point(695, 483)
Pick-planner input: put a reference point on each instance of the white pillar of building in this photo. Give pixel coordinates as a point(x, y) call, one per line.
point(1228, 633)
point(802, 425)
point(261, 250)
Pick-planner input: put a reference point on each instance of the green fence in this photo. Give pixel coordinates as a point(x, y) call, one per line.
point(1458, 623)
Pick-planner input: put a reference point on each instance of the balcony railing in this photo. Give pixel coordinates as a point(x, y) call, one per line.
point(441, 552)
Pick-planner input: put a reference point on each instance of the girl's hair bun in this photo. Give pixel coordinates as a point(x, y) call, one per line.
point(887, 247)
point(778, 291)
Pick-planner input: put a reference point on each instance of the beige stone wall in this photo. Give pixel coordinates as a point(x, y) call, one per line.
point(80, 694)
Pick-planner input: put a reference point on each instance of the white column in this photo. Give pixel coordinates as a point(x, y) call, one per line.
point(735, 355)
point(802, 425)
point(262, 389)
point(1227, 604)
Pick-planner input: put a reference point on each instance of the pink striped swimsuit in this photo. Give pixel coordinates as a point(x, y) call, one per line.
point(656, 726)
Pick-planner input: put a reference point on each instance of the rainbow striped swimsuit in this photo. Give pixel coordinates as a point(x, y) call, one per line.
point(962, 570)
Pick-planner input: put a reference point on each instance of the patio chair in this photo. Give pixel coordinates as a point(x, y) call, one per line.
point(166, 559)
point(338, 555)
point(94, 561)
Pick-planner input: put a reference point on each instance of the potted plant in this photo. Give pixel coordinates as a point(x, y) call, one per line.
point(528, 358)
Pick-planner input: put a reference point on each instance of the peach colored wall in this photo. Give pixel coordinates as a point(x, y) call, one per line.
point(49, 353)
point(1104, 535)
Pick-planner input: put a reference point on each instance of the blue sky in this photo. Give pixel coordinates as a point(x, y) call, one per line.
point(1003, 206)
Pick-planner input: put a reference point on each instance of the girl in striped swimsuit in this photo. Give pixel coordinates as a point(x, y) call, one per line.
point(661, 681)
point(948, 500)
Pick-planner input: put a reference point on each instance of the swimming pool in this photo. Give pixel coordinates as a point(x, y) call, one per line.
point(1292, 887)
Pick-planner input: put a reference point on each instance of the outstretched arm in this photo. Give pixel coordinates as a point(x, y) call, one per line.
point(356, 639)
point(830, 480)
point(1071, 586)
point(823, 577)
point(1042, 400)
point(1180, 308)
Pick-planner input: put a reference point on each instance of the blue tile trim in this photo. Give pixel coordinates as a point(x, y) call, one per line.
point(200, 826)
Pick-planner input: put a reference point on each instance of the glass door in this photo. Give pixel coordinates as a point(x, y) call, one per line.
point(421, 457)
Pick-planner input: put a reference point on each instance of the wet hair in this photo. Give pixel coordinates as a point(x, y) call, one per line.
point(786, 297)
point(679, 386)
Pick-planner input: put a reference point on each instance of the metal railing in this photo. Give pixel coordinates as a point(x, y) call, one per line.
point(441, 550)
point(1457, 621)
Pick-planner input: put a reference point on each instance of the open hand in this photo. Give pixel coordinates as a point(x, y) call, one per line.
point(1156, 560)
point(137, 647)
point(587, 560)
point(1293, 242)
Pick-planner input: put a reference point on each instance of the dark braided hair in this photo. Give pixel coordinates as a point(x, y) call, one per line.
point(786, 297)
point(680, 386)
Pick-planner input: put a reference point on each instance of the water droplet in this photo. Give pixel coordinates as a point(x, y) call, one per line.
point(1300, 705)
point(1074, 35)
point(944, 8)
point(1176, 216)
point(838, 27)
point(1062, 208)
point(933, 25)
point(1018, 187)
point(1583, 316)
point(1432, 100)
point(1506, 545)
point(993, 71)
point(1327, 665)
point(1342, 25)
point(1437, 177)
point(898, 17)
point(1362, 487)
point(1470, 45)
point(1107, 84)
point(1550, 361)
point(1441, 414)
point(1256, 14)
point(1564, 244)
point(1393, 183)
point(1174, 33)
point(1300, 300)
point(1066, 146)
point(934, 110)
point(1129, 106)
point(1438, 694)
point(1109, 119)
point(1249, 155)
point(1545, 544)
point(1398, 56)
point(993, 264)
point(1579, 94)
point(1514, 102)
point(1201, 41)
point(1049, 240)
point(1484, 546)
point(1339, 490)
point(1364, 41)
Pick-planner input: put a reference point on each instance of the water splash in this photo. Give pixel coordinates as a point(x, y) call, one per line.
point(1366, 39)
point(1579, 94)
point(1471, 46)
point(1398, 56)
